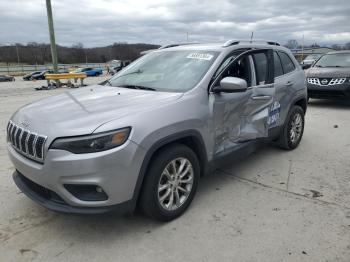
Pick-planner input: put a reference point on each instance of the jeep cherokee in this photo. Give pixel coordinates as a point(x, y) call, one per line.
point(146, 136)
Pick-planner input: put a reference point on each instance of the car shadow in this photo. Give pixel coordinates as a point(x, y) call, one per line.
point(331, 103)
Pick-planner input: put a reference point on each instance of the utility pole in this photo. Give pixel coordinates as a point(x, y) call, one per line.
point(17, 54)
point(302, 49)
point(52, 36)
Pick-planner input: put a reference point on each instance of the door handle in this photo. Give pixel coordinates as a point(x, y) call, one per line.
point(261, 97)
point(289, 83)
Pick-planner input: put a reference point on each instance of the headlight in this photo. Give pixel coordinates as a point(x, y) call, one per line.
point(92, 143)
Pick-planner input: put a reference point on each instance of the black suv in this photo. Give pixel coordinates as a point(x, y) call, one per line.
point(329, 76)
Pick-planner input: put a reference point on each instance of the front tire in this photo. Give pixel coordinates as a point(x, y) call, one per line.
point(170, 183)
point(293, 129)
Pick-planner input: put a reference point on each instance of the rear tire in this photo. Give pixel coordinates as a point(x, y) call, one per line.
point(170, 183)
point(293, 129)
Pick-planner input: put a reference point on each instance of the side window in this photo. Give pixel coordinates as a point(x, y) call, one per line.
point(241, 68)
point(277, 63)
point(261, 67)
point(287, 63)
point(224, 64)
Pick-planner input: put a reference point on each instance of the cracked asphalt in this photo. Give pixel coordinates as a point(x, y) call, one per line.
point(272, 206)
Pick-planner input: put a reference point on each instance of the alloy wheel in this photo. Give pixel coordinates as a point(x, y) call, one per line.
point(175, 184)
point(296, 128)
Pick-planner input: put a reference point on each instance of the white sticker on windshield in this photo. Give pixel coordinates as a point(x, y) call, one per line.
point(200, 56)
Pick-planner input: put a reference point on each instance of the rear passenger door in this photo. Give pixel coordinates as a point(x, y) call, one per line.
point(284, 74)
point(256, 115)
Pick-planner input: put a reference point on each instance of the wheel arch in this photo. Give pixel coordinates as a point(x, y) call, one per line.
point(302, 102)
point(190, 138)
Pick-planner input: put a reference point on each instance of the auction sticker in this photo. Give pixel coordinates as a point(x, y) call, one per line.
point(200, 56)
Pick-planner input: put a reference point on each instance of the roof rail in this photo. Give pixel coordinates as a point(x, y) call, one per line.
point(166, 46)
point(178, 44)
point(249, 41)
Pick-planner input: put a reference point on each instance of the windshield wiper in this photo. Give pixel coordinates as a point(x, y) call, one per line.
point(138, 87)
point(139, 71)
point(106, 83)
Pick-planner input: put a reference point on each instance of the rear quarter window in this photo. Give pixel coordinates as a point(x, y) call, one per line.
point(287, 63)
point(277, 64)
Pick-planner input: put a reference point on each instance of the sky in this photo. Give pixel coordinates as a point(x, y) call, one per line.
point(103, 22)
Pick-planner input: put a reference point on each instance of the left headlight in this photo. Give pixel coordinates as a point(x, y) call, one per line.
point(92, 143)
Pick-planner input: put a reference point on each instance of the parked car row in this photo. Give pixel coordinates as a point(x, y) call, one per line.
point(89, 71)
point(40, 75)
point(6, 78)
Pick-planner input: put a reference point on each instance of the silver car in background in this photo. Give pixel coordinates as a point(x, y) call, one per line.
point(147, 135)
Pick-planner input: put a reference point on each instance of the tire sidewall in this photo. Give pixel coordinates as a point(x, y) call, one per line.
point(153, 176)
point(295, 110)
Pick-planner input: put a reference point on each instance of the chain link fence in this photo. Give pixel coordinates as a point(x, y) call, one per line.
point(24, 69)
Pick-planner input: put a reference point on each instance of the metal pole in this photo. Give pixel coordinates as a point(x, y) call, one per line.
point(17, 54)
point(52, 36)
point(302, 49)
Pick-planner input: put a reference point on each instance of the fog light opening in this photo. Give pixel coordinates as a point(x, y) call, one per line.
point(99, 189)
point(87, 192)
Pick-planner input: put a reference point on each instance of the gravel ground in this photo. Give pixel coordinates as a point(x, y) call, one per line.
point(273, 206)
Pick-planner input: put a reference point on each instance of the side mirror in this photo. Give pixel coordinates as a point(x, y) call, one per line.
point(231, 85)
point(307, 66)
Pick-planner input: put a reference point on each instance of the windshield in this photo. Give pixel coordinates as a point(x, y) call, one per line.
point(334, 60)
point(312, 57)
point(169, 71)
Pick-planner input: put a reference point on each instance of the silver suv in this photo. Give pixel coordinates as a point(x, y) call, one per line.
point(146, 136)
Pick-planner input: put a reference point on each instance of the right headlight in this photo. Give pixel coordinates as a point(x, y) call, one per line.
point(92, 143)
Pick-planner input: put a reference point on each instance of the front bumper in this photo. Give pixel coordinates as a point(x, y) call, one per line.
point(329, 91)
point(49, 199)
point(115, 171)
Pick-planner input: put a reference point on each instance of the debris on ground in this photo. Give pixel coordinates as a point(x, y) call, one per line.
point(316, 193)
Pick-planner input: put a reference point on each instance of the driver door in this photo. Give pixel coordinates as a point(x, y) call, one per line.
point(243, 116)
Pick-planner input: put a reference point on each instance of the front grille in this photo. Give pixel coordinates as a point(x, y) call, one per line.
point(25, 142)
point(326, 81)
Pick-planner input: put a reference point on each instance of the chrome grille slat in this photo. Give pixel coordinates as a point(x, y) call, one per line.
point(10, 132)
point(17, 138)
point(27, 139)
point(34, 143)
point(27, 143)
point(13, 135)
point(23, 141)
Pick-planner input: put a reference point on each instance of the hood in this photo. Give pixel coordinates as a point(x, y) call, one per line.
point(82, 111)
point(328, 72)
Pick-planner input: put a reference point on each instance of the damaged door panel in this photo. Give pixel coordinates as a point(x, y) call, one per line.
point(244, 116)
point(255, 115)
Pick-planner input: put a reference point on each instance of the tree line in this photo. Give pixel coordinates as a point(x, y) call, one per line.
point(294, 44)
point(40, 53)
